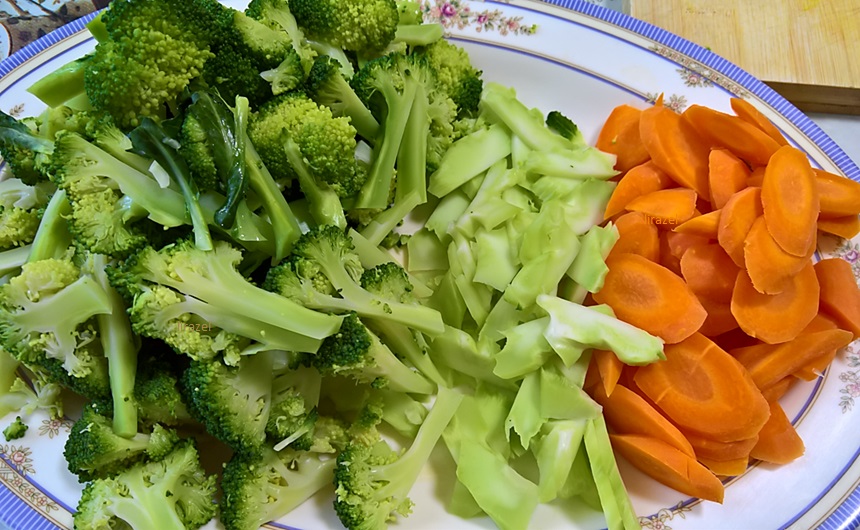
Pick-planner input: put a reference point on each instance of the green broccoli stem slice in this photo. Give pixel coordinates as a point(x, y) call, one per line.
point(400, 377)
point(284, 222)
point(419, 34)
point(61, 85)
point(402, 474)
point(385, 222)
point(376, 190)
point(151, 140)
point(13, 259)
point(323, 202)
point(403, 343)
point(120, 347)
point(412, 156)
point(53, 238)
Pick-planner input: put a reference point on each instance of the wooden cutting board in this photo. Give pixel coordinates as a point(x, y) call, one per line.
point(808, 50)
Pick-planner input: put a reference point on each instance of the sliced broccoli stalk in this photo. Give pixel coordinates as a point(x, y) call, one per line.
point(425, 252)
point(327, 85)
point(588, 268)
point(614, 498)
point(446, 214)
point(595, 329)
point(12, 260)
point(61, 85)
point(488, 207)
point(412, 156)
point(477, 297)
point(555, 450)
point(495, 261)
point(502, 105)
point(468, 157)
point(323, 202)
point(419, 34)
point(458, 351)
point(583, 163)
point(384, 223)
point(174, 493)
point(373, 484)
point(372, 255)
point(580, 482)
point(266, 488)
point(525, 350)
point(402, 412)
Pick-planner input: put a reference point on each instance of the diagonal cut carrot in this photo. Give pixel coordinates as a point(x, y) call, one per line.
point(609, 367)
point(637, 235)
point(620, 137)
point(769, 266)
point(721, 451)
point(640, 180)
point(727, 175)
point(666, 208)
point(814, 368)
point(840, 295)
point(726, 468)
point(746, 141)
point(837, 196)
point(778, 441)
point(673, 245)
point(789, 197)
point(705, 225)
point(779, 317)
point(745, 111)
point(668, 465)
point(845, 227)
point(720, 319)
point(775, 391)
point(756, 177)
point(736, 219)
point(709, 271)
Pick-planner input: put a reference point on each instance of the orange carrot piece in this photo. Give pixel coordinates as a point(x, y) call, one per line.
point(668, 465)
point(814, 368)
point(721, 451)
point(609, 367)
point(592, 375)
point(736, 219)
point(735, 338)
point(837, 196)
point(846, 227)
point(779, 317)
point(769, 266)
point(720, 319)
point(745, 111)
point(705, 225)
point(775, 391)
point(756, 177)
point(676, 148)
point(789, 197)
point(782, 360)
point(628, 413)
point(709, 271)
point(704, 390)
point(651, 297)
point(620, 136)
point(778, 441)
point(840, 295)
point(724, 130)
point(637, 235)
point(638, 181)
point(726, 468)
point(727, 175)
point(666, 208)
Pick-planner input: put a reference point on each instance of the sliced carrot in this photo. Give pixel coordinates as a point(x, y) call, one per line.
point(786, 358)
point(745, 111)
point(609, 367)
point(840, 295)
point(756, 177)
point(676, 148)
point(628, 413)
point(736, 219)
point(724, 130)
point(845, 227)
point(668, 465)
point(705, 225)
point(721, 451)
point(814, 368)
point(709, 271)
point(775, 391)
point(779, 317)
point(640, 180)
point(666, 208)
point(769, 266)
point(726, 468)
point(673, 246)
point(720, 319)
point(778, 441)
point(620, 136)
point(651, 297)
point(735, 338)
point(704, 390)
point(789, 197)
point(637, 235)
point(727, 175)
point(837, 196)
point(592, 376)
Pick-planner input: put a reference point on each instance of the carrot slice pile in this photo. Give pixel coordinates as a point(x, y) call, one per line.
point(743, 139)
point(727, 175)
point(736, 220)
point(750, 114)
point(709, 271)
point(837, 196)
point(769, 266)
point(721, 451)
point(666, 207)
point(639, 180)
point(637, 235)
point(620, 136)
point(705, 225)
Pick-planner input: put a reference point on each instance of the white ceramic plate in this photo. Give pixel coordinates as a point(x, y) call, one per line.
point(582, 60)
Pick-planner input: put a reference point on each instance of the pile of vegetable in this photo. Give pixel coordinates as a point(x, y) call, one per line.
point(719, 219)
point(308, 240)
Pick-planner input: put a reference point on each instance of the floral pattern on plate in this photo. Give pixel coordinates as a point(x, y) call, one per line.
point(459, 14)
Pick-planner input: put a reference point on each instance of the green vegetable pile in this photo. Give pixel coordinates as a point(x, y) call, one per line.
point(199, 237)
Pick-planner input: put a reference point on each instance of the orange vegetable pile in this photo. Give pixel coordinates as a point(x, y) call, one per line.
point(718, 218)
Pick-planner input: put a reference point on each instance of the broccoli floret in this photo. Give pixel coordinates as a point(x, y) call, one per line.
point(327, 143)
point(363, 26)
point(174, 493)
point(21, 208)
point(324, 205)
point(25, 397)
point(266, 487)
point(93, 450)
point(288, 75)
point(455, 75)
point(276, 14)
point(183, 279)
point(156, 386)
point(27, 153)
point(373, 482)
point(293, 415)
point(324, 258)
point(16, 429)
point(327, 86)
point(232, 403)
point(153, 52)
point(356, 352)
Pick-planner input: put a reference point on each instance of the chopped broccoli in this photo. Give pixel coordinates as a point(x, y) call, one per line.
point(16, 429)
point(27, 153)
point(324, 258)
point(263, 488)
point(293, 414)
point(21, 208)
point(364, 26)
point(327, 86)
point(173, 493)
point(156, 386)
point(276, 14)
point(94, 450)
point(455, 75)
point(323, 202)
point(373, 481)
